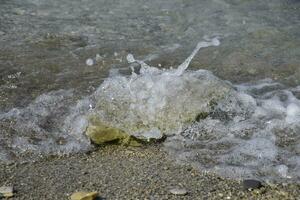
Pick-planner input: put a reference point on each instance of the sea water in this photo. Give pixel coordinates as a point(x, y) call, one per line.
point(237, 130)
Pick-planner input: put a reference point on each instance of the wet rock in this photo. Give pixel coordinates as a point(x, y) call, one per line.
point(149, 108)
point(100, 133)
point(84, 195)
point(250, 184)
point(178, 191)
point(6, 192)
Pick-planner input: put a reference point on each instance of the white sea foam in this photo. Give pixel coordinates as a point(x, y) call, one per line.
point(256, 143)
point(46, 126)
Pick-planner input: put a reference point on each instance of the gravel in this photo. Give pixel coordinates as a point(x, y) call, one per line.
point(118, 172)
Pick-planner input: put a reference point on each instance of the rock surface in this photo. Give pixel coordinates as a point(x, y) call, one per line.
point(100, 133)
point(156, 102)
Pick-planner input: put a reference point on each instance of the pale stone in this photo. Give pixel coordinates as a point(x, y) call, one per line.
point(89, 62)
point(6, 191)
point(84, 195)
point(178, 191)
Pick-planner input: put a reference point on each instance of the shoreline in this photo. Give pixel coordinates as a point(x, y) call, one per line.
point(119, 172)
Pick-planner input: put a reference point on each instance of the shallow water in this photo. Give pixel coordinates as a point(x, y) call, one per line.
point(55, 55)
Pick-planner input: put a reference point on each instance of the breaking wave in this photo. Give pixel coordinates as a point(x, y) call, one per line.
point(239, 131)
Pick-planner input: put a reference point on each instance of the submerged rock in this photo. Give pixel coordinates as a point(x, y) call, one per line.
point(154, 103)
point(84, 195)
point(158, 102)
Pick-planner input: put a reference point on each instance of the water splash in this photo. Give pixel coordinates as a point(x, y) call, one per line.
point(156, 102)
point(181, 68)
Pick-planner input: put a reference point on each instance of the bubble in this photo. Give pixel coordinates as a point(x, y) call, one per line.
point(130, 58)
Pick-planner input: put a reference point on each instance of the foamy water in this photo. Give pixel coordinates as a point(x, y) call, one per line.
point(239, 131)
point(254, 133)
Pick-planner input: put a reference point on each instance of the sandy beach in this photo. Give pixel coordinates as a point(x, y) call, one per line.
point(118, 172)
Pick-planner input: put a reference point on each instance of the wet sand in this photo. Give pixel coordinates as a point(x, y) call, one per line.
point(118, 172)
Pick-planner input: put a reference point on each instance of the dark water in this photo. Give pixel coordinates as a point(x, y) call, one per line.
point(47, 83)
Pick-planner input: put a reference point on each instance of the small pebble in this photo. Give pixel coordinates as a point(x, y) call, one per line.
point(19, 11)
point(84, 195)
point(250, 184)
point(89, 62)
point(98, 57)
point(178, 191)
point(6, 191)
point(84, 172)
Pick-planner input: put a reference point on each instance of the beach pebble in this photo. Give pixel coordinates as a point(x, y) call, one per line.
point(19, 11)
point(178, 191)
point(84, 195)
point(89, 62)
point(98, 57)
point(250, 184)
point(6, 191)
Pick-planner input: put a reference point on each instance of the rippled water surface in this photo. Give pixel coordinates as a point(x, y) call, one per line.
point(55, 55)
